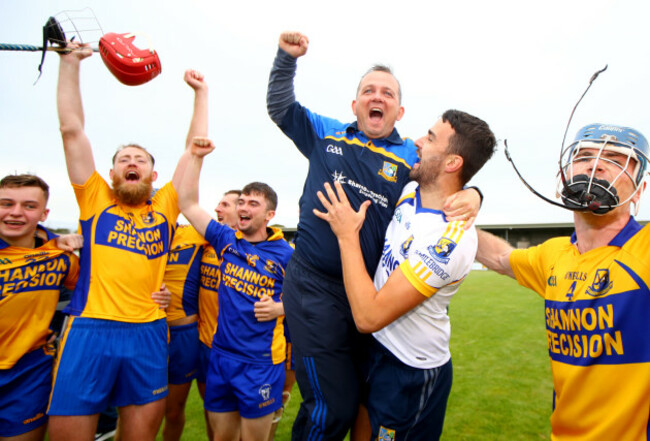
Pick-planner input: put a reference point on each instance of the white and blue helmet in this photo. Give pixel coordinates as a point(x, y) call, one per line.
point(583, 192)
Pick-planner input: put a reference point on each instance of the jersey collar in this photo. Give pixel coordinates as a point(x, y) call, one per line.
point(629, 230)
point(393, 138)
point(48, 234)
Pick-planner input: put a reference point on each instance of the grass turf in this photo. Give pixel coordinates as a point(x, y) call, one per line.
point(502, 388)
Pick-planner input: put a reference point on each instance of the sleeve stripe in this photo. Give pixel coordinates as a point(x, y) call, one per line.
point(455, 231)
point(416, 280)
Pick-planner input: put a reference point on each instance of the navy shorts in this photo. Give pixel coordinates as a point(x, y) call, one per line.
point(252, 389)
point(406, 400)
point(183, 353)
point(24, 391)
point(330, 354)
point(105, 363)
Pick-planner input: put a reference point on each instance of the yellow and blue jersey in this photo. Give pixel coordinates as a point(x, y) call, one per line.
point(124, 253)
point(30, 282)
point(596, 308)
point(248, 272)
point(182, 272)
point(209, 294)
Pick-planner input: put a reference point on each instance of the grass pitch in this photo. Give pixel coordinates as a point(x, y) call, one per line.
point(502, 388)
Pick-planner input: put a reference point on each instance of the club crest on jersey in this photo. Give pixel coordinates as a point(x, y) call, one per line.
point(386, 434)
point(251, 260)
point(406, 245)
point(271, 267)
point(601, 284)
point(441, 250)
point(148, 218)
point(389, 171)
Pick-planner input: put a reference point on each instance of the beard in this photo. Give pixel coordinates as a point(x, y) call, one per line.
point(427, 172)
point(132, 194)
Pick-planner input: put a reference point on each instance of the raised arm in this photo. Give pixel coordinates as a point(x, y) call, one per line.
point(188, 190)
point(494, 253)
point(371, 309)
point(78, 151)
point(199, 122)
point(280, 93)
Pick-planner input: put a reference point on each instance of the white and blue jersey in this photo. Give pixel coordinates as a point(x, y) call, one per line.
point(435, 256)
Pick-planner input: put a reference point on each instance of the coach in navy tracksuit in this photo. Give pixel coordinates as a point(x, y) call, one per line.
point(372, 162)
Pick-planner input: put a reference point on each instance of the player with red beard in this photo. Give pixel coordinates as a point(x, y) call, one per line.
point(114, 349)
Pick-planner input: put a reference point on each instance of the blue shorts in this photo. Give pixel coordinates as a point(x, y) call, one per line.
point(252, 389)
point(405, 400)
point(204, 362)
point(105, 363)
point(183, 353)
point(24, 391)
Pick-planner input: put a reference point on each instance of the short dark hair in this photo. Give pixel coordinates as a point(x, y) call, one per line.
point(261, 188)
point(237, 192)
point(473, 141)
point(137, 146)
point(25, 180)
point(382, 68)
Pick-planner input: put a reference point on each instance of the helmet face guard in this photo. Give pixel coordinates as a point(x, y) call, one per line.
point(586, 192)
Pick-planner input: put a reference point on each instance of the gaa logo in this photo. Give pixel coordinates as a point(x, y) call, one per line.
point(334, 149)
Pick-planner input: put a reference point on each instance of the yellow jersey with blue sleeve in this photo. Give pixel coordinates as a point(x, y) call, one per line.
point(30, 282)
point(434, 256)
point(124, 253)
point(209, 294)
point(596, 309)
point(182, 272)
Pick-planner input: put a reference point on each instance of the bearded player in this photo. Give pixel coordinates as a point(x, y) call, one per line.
point(114, 349)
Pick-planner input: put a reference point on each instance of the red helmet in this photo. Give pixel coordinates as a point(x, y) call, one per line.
point(130, 65)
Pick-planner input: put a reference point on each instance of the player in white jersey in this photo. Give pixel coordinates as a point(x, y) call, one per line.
point(425, 258)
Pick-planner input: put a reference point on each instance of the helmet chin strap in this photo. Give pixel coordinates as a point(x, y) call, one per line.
point(584, 200)
point(528, 186)
point(585, 193)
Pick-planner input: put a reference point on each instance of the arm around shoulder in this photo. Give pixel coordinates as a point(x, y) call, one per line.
point(494, 253)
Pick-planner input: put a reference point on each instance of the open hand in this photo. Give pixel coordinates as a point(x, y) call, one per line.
point(162, 297)
point(342, 218)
